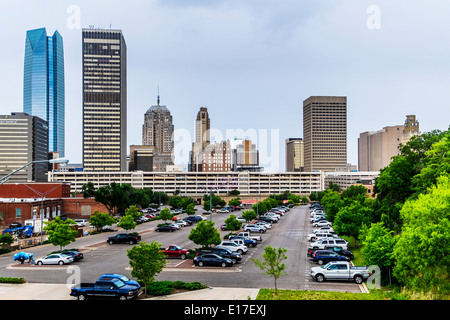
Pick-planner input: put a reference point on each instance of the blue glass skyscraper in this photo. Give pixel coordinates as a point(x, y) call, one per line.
point(43, 83)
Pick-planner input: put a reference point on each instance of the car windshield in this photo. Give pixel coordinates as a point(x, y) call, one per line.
point(118, 283)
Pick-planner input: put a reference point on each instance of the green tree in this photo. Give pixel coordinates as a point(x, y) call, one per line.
point(146, 261)
point(176, 202)
point(205, 234)
point(60, 232)
point(232, 223)
point(423, 250)
point(100, 220)
point(127, 222)
point(377, 246)
point(133, 211)
point(6, 239)
point(332, 202)
point(272, 264)
point(260, 208)
point(349, 219)
point(234, 202)
point(190, 209)
point(88, 190)
point(165, 215)
point(249, 215)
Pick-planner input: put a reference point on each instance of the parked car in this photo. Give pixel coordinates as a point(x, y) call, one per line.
point(319, 235)
point(176, 225)
point(77, 256)
point(325, 256)
point(247, 234)
point(223, 211)
point(176, 251)
point(223, 252)
point(272, 215)
point(322, 223)
point(113, 288)
point(233, 246)
point(194, 218)
point(340, 251)
point(131, 238)
point(321, 243)
point(212, 260)
point(264, 224)
point(143, 219)
point(81, 222)
point(254, 228)
point(166, 228)
point(246, 241)
point(339, 270)
point(241, 219)
point(124, 279)
point(55, 258)
point(188, 222)
point(267, 219)
point(181, 223)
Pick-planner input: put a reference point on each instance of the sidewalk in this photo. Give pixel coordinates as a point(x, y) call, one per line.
point(43, 291)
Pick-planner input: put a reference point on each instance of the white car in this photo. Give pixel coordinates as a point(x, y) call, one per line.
point(223, 211)
point(322, 223)
point(81, 222)
point(233, 246)
point(321, 235)
point(176, 225)
point(181, 223)
point(254, 228)
point(143, 219)
point(324, 229)
point(56, 258)
point(272, 215)
point(322, 243)
point(264, 224)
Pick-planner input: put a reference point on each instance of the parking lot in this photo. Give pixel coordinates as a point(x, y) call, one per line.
point(99, 257)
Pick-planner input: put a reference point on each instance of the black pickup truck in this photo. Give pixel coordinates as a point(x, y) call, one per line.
point(105, 289)
point(131, 238)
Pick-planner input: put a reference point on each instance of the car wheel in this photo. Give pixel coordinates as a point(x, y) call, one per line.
point(320, 262)
point(358, 279)
point(240, 251)
point(320, 278)
point(261, 231)
point(234, 261)
point(122, 298)
point(200, 264)
point(39, 263)
point(183, 256)
point(131, 242)
point(82, 297)
point(110, 242)
point(224, 264)
point(60, 262)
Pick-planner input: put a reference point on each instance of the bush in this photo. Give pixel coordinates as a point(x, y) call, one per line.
point(4, 250)
point(160, 288)
point(11, 280)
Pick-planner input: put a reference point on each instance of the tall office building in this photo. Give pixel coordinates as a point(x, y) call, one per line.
point(376, 148)
point(23, 139)
point(202, 139)
point(325, 133)
point(294, 155)
point(43, 84)
point(245, 156)
point(104, 100)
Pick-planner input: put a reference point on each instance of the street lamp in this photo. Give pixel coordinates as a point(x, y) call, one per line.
point(57, 160)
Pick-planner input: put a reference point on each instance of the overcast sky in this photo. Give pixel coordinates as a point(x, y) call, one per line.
point(251, 63)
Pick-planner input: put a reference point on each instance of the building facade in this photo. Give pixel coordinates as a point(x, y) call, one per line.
point(376, 148)
point(104, 100)
point(245, 156)
point(202, 140)
point(23, 139)
point(157, 132)
point(325, 133)
point(294, 155)
point(43, 84)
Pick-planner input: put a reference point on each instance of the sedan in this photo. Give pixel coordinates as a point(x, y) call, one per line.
point(264, 224)
point(322, 223)
point(168, 228)
point(77, 256)
point(57, 258)
point(212, 260)
point(223, 211)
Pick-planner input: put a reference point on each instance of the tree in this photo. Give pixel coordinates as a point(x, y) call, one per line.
point(133, 212)
point(127, 222)
point(175, 202)
point(6, 239)
point(232, 223)
point(101, 219)
point(332, 202)
point(249, 215)
point(190, 209)
point(349, 219)
point(236, 202)
point(377, 246)
point(272, 264)
point(205, 234)
point(88, 190)
point(234, 192)
point(60, 232)
point(146, 261)
point(423, 250)
point(260, 208)
point(165, 215)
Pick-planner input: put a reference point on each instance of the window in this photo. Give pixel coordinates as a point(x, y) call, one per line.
point(18, 212)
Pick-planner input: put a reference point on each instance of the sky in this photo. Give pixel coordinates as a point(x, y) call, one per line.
point(252, 63)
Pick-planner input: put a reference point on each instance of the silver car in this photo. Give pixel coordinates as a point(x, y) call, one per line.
point(55, 258)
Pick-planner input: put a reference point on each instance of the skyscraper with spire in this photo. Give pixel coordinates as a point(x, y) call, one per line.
point(202, 139)
point(157, 131)
point(43, 84)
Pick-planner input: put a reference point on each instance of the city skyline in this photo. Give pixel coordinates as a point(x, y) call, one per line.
point(252, 64)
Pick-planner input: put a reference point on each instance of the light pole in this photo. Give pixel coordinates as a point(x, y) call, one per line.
point(58, 160)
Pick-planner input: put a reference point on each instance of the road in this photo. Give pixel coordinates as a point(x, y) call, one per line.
point(99, 257)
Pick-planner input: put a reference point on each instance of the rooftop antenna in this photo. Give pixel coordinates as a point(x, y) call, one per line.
point(158, 95)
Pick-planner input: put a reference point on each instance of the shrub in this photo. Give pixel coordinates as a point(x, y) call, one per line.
point(11, 280)
point(165, 287)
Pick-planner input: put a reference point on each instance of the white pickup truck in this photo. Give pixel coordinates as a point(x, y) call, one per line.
point(339, 270)
point(248, 235)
